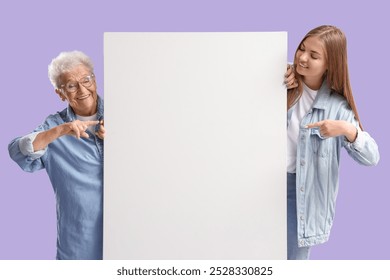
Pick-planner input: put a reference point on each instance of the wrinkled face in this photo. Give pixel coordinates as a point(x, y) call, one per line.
point(78, 87)
point(311, 61)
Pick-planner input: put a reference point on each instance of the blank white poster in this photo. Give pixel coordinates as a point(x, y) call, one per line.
point(195, 152)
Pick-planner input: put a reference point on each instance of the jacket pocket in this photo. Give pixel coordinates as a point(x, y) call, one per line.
point(320, 145)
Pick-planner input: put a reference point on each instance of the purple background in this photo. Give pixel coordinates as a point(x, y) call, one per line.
point(33, 32)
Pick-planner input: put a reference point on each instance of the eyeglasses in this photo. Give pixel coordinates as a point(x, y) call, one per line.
point(73, 86)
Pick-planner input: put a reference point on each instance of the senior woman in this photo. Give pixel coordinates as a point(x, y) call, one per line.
point(69, 145)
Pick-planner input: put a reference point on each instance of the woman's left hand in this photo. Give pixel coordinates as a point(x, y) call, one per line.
point(333, 128)
point(102, 131)
point(289, 78)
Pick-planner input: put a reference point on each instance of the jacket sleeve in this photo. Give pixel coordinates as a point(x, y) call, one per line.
point(22, 152)
point(364, 149)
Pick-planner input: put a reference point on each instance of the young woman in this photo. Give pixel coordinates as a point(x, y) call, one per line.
point(322, 118)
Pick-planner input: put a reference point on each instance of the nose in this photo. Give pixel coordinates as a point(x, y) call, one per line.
point(303, 57)
point(81, 89)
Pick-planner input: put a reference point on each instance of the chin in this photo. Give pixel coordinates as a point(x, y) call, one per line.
point(299, 72)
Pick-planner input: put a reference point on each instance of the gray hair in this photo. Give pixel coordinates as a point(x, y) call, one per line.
point(65, 62)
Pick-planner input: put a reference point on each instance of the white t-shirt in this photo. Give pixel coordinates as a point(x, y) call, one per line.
point(302, 106)
point(91, 128)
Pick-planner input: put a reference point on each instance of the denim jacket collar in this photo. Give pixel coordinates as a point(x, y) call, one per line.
point(320, 102)
point(71, 116)
point(323, 96)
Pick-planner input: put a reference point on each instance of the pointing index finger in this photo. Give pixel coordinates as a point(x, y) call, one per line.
point(312, 125)
point(88, 123)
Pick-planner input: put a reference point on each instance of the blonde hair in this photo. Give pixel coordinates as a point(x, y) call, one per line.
point(337, 76)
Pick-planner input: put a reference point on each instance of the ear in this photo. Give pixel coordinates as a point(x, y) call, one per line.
point(60, 94)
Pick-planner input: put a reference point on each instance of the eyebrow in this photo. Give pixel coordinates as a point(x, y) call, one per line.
point(74, 78)
point(303, 45)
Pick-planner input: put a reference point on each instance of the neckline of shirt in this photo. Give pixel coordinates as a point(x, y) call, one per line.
point(312, 91)
point(88, 118)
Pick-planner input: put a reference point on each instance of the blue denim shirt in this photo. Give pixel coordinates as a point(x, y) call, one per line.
point(317, 170)
point(75, 169)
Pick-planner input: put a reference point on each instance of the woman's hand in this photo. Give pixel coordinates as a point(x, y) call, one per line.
point(289, 78)
point(78, 128)
point(333, 128)
point(101, 133)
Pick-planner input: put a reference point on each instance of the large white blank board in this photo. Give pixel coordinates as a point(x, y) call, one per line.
point(195, 146)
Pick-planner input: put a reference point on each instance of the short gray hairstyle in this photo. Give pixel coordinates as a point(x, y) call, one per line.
point(65, 62)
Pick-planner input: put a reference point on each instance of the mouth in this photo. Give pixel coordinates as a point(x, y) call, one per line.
point(85, 96)
point(302, 65)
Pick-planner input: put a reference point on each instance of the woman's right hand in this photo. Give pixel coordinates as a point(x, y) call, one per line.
point(78, 128)
point(289, 78)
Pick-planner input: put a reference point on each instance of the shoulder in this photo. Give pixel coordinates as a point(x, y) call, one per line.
point(338, 100)
point(340, 107)
point(337, 97)
point(55, 119)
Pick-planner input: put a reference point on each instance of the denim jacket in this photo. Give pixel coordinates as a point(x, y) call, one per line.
point(75, 169)
point(317, 167)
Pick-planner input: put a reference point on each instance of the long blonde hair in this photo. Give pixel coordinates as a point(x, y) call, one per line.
point(337, 76)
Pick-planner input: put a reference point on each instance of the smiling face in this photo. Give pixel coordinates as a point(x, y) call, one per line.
point(310, 60)
point(84, 98)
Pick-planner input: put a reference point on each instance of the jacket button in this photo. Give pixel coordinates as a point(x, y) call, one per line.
point(301, 217)
point(302, 162)
point(302, 189)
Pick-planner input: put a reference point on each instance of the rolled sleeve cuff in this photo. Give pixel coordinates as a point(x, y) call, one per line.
point(26, 146)
point(358, 144)
point(360, 140)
